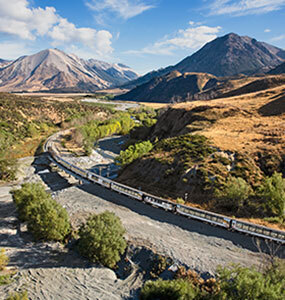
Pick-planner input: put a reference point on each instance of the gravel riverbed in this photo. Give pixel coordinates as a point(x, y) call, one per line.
point(49, 271)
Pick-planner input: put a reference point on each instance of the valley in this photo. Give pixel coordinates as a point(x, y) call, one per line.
point(206, 132)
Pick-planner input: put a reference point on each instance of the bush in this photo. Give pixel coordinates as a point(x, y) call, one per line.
point(46, 219)
point(234, 193)
point(18, 296)
point(241, 283)
point(49, 221)
point(29, 195)
point(168, 289)
point(101, 239)
point(4, 259)
point(133, 152)
point(236, 283)
point(272, 192)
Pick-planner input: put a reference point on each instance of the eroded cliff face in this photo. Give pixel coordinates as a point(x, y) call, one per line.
point(199, 145)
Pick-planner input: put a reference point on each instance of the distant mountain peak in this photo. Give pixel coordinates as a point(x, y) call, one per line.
point(228, 55)
point(53, 69)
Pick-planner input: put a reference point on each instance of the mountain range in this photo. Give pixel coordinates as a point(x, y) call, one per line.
point(205, 74)
point(225, 56)
point(180, 87)
point(54, 70)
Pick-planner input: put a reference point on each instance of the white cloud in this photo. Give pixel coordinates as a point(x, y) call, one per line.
point(12, 50)
point(267, 30)
point(190, 38)
point(125, 9)
point(66, 32)
point(245, 7)
point(19, 19)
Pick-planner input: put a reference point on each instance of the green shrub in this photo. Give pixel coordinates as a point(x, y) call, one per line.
point(235, 283)
point(241, 283)
point(168, 289)
point(46, 219)
point(101, 239)
point(49, 221)
point(272, 192)
point(29, 195)
point(18, 296)
point(4, 259)
point(133, 152)
point(234, 193)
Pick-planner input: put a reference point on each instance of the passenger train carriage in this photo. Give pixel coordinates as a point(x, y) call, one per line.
point(183, 210)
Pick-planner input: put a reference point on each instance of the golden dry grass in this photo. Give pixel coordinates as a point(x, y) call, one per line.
point(154, 105)
point(258, 123)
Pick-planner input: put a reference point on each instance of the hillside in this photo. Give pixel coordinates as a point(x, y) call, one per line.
point(178, 87)
point(278, 70)
point(55, 70)
point(199, 146)
point(225, 56)
point(26, 121)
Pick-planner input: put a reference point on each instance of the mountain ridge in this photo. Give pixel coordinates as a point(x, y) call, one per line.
point(53, 69)
point(228, 55)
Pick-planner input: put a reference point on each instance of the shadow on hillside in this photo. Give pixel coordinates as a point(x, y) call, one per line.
point(162, 216)
point(273, 108)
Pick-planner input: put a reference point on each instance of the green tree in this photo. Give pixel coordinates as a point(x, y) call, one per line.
point(234, 193)
point(101, 239)
point(133, 152)
point(29, 195)
point(272, 192)
point(240, 283)
point(49, 221)
point(46, 219)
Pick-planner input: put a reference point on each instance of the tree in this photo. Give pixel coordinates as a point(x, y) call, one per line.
point(234, 193)
point(101, 239)
point(240, 283)
point(133, 152)
point(49, 221)
point(29, 195)
point(272, 192)
point(46, 219)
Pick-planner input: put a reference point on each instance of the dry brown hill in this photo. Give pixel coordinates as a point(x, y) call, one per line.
point(245, 133)
point(178, 87)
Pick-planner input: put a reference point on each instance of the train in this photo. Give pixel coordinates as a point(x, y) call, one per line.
point(211, 218)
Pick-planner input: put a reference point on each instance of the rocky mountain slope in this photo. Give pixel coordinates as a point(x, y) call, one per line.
point(178, 87)
point(4, 62)
point(226, 56)
point(53, 69)
point(278, 70)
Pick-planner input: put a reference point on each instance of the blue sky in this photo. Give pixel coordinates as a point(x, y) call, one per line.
point(144, 34)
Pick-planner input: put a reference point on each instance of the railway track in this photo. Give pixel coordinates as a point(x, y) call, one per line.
point(189, 212)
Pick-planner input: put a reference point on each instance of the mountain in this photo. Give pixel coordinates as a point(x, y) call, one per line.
point(278, 70)
point(178, 87)
point(55, 70)
point(226, 56)
point(4, 62)
point(171, 87)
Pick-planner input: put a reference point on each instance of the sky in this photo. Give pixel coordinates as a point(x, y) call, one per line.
point(143, 34)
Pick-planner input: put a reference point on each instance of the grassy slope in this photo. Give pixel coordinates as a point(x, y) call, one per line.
point(26, 121)
point(248, 130)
